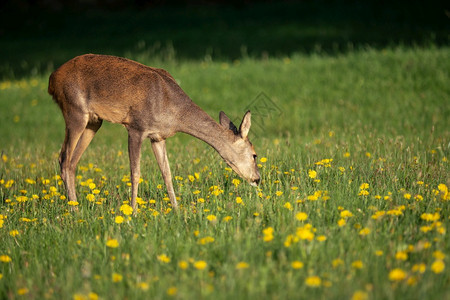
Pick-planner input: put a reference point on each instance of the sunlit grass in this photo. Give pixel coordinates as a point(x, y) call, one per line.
point(353, 201)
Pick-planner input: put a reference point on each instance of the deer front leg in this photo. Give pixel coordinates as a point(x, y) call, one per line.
point(134, 151)
point(159, 149)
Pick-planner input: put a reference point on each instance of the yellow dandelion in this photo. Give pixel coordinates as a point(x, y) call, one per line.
point(438, 255)
point(227, 218)
point(357, 264)
point(22, 291)
point(288, 205)
point(278, 193)
point(126, 209)
point(397, 275)
point(313, 281)
point(239, 200)
point(242, 265)
point(337, 262)
point(119, 219)
point(297, 265)
point(263, 159)
point(73, 203)
point(116, 277)
point(14, 233)
point(346, 214)
point(438, 266)
point(211, 218)
point(163, 258)
point(360, 295)
point(112, 243)
point(172, 291)
point(401, 255)
point(321, 238)
point(419, 268)
point(342, 222)
point(312, 174)
point(301, 216)
point(182, 264)
point(5, 258)
point(364, 231)
point(200, 265)
point(364, 186)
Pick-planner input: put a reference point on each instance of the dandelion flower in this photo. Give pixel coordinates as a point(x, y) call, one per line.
point(313, 281)
point(297, 265)
point(438, 255)
point(73, 203)
point(5, 258)
point(268, 234)
point(364, 186)
point(401, 255)
point(360, 295)
point(183, 264)
point(200, 265)
point(116, 277)
point(112, 243)
point(337, 262)
point(364, 231)
point(357, 264)
point(119, 219)
point(397, 274)
point(312, 174)
point(242, 265)
point(172, 291)
point(126, 209)
point(14, 233)
point(211, 218)
point(263, 159)
point(420, 268)
point(346, 214)
point(438, 266)
point(22, 291)
point(163, 258)
point(301, 216)
point(321, 238)
point(341, 222)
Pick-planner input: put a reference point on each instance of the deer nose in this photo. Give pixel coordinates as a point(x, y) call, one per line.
point(257, 180)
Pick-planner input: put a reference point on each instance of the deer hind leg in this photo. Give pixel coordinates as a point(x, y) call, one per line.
point(84, 141)
point(75, 126)
point(159, 149)
point(135, 139)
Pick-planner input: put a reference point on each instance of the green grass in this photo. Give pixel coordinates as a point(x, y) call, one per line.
point(380, 115)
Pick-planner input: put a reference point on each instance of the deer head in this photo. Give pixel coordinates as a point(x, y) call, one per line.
point(242, 158)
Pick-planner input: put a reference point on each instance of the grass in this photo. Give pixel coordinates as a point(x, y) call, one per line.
point(353, 142)
point(372, 125)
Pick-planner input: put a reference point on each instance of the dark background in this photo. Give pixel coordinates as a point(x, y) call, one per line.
point(38, 35)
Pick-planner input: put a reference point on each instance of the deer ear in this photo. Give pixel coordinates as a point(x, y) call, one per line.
point(245, 125)
point(226, 122)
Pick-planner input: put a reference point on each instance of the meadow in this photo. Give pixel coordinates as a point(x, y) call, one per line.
point(353, 150)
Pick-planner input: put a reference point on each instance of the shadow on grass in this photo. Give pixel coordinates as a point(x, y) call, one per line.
point(35, 42)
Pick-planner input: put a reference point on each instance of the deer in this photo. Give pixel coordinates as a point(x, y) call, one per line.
point(149, 103)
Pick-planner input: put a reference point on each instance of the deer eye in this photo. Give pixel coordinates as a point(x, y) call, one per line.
point(255, 156)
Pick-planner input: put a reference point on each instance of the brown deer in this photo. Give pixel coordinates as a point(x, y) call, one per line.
point(149, 103)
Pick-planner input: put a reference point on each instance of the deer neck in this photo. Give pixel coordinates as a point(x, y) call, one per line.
point(199, 124)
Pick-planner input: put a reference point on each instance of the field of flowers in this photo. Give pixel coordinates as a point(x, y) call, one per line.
point(353, 204)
